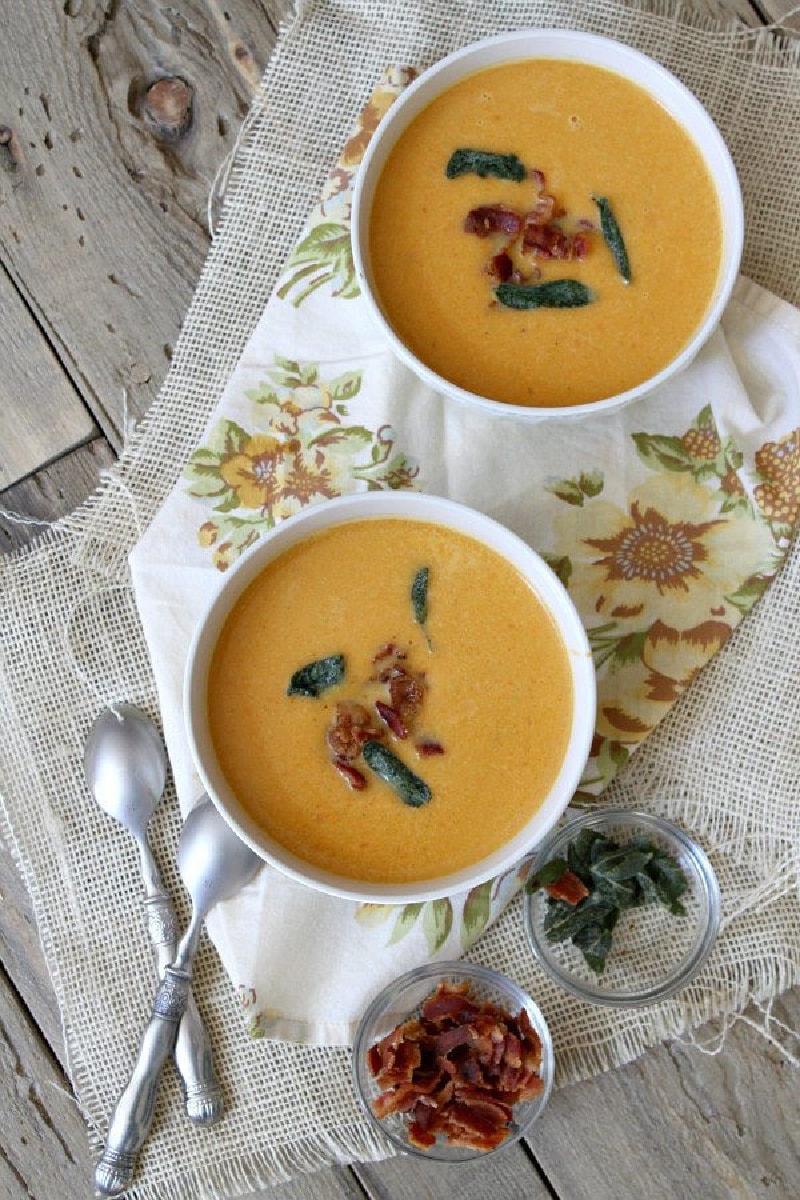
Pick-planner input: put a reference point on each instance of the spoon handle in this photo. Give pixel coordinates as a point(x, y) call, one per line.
point(193, 1055)
point(133, 1114)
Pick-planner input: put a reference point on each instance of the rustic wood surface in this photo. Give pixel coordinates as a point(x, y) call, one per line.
point(114, 118)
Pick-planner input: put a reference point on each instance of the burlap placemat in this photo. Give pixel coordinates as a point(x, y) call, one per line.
point(726, 769)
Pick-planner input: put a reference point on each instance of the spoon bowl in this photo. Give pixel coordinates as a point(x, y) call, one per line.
point(213, 861)
point(126, 766)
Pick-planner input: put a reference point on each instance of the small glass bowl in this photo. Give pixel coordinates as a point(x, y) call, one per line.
point(654, 953)
point(401, 1001)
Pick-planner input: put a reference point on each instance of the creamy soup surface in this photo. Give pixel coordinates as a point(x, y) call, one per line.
point(590, 132)
point(498, 698)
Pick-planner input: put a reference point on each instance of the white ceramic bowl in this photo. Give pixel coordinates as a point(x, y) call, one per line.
point(412, 506)
point(585, 48)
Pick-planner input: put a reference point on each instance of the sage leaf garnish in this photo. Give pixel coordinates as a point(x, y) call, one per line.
point(618, 877)
point(556, 293)
point(419, 595)
point(316, 677)
point(613, 236)
point(483, 163)
point(419, 600)
point(409, 787)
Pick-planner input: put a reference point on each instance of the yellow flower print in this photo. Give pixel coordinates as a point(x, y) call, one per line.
point(671, 557)
point(633, 701)
point(379, 103)
point(254, 473)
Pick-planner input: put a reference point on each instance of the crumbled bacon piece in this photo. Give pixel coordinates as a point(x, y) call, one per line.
point(542, 212)
point(569, 887)
point(546, 241)
point(580, 245)
point(388, 650)
point(457, 1069)
point(492, 218)
point(406, 692)
point(351, 775)
point(392, 718)
point(428, 747)
point(501, 267)
point(351, 727)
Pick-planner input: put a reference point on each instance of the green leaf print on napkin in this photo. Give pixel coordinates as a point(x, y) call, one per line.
point(437, 921)
point(477, 911)
point(305, 450)
point(324, 256)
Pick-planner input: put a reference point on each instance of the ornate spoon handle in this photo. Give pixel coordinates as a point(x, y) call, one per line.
point(133, 1114)
point(193, 1056)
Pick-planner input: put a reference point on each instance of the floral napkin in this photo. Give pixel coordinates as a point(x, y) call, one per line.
point(665, 520)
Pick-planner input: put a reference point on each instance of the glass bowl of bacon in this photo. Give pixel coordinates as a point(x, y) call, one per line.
point(453, 1061)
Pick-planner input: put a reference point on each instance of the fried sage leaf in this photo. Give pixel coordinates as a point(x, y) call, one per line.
point(618, 877)
point(419, 600)
point(419, 595)
point(316, 677)
point(556, 293)
point(483, 163)
point(613, 236)
point(409, 787)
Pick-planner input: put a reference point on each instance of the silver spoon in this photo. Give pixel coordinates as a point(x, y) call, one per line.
point(126, 766)
point(214, 864)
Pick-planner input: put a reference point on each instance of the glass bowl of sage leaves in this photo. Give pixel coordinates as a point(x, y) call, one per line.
point(621, 907)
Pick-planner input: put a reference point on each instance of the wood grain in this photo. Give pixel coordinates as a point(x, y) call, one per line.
point(51, 492)
point(43, 1146)
point(678, 1123)
point(103, 218)
point(511, 1175)
point(41, 415)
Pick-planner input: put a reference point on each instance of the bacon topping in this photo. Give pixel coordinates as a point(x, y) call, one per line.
point(569, 887)
point(428, 747)
point(392, 718)
point(492, 218)
point(352, 726)
point(406, 692)
point(457, 1070)
point(538, 233)
point(388, 650)
point(351, 775)
point(501, 267)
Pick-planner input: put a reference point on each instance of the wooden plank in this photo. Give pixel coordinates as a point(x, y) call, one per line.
point(21, 956)
point(780, 12)
point(510, 1174)
point(51, 493)
point(44, 1150)
point(103, 205)
point(41, 415)
point(677, 1123)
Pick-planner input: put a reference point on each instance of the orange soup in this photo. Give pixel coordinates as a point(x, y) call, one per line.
point(582, 135)
point(465, 683)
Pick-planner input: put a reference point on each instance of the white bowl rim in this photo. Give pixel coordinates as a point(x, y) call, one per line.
point(422, 507)
point(565, 44)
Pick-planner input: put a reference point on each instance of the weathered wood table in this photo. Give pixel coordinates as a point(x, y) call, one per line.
point(114, 119)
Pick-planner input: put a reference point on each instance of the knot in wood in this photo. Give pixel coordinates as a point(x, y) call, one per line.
point(10, 150)
point(168, 106)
